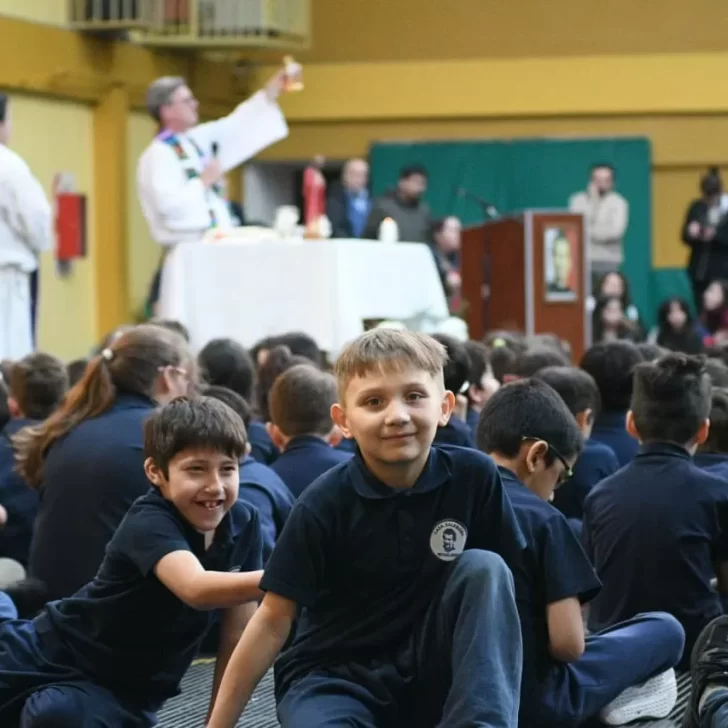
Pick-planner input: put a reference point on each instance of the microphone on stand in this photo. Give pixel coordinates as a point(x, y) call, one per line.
point(488, 208)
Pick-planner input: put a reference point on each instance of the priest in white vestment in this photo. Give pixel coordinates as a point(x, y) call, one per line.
point(180, 174)
point(25, 232)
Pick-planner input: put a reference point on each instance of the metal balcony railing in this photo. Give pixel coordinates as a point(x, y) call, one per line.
point(199, 23)
point(104, 15)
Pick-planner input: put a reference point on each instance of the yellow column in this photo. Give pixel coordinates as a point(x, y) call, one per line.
point(234, 184)
point(110, 209)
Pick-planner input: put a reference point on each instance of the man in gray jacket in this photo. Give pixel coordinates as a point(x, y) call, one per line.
point(404, 205)
point(606, 214)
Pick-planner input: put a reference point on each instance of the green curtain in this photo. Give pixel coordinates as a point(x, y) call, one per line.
point(534, 174)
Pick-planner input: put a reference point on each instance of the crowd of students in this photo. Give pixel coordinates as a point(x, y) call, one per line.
point(616, 318)
point(418, 534)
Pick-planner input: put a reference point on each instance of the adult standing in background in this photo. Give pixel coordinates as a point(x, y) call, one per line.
point(705, 232)
point(25, 232)
point(348, 203)
point(180, 174)
point(446, 234)
point(405, 206)
point(606, 215)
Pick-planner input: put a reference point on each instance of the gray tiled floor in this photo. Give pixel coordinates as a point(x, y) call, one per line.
point(189, 709)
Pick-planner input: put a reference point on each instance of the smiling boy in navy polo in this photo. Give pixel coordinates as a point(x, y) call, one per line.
point(301, 426)
point(712, 455)
point(579, 392)
point(611, 365)
point(567, 678)
point(392, 561)
point(656, 529)
point(114, 652)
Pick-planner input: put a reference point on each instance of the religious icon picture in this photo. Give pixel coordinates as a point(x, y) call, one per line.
point(561, 263)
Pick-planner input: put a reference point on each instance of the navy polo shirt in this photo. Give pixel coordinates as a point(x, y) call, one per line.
point(595, 463)
point(609, 429)
point(347, 444)
point(90, 479)
point(18, 499)
point(262, 488)
point(364, 561)
point(455, 432)
point(125, 629)
point(261, 446)
point(304, 459)
point(714, 463)
point(653, 531)
point(554, 567)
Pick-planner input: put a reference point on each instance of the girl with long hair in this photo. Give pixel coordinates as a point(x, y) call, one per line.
point(86, 459)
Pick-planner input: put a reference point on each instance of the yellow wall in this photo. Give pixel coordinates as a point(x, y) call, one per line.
point(142, 252)
point(55, 136)
point(42, 11)
point(372, 30)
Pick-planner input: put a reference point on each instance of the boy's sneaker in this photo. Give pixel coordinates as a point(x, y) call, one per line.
point(653, 699)
point(708, 666)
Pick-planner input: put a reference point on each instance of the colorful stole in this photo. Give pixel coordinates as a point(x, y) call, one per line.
point(189, 169)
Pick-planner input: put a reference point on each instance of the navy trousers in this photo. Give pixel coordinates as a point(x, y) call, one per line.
point(461, 668)
point(615, 659)
point(38, 689)
point(715, 710)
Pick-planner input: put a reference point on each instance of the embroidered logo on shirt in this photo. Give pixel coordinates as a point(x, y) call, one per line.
point(448, 538)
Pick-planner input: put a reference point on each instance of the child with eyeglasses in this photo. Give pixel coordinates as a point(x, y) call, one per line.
point(568, 678)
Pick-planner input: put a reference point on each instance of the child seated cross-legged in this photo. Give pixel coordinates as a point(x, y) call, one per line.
point(114, 652)
point(534, 359)
point(482, 382)
point(597, 460)
point(611, 365)
point(301, 426)
point(259, 485)
point(567, 678)
point(457, 373)
point(656, 529)
point(712, 455)
point(396, 560)
point(226, 363)
point(37, 386)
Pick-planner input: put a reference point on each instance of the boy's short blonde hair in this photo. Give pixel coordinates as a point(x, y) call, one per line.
point(386, 350)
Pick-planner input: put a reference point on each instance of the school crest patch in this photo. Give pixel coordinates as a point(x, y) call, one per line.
point(447, 540)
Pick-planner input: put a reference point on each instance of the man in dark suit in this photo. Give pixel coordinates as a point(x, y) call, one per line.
point(348, 203)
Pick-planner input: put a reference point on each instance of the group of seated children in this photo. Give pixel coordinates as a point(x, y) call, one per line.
point(84, 451)
point(406, 584)
point(679, 327)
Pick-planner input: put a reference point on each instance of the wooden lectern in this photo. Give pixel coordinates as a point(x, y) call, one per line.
point(528, 273)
